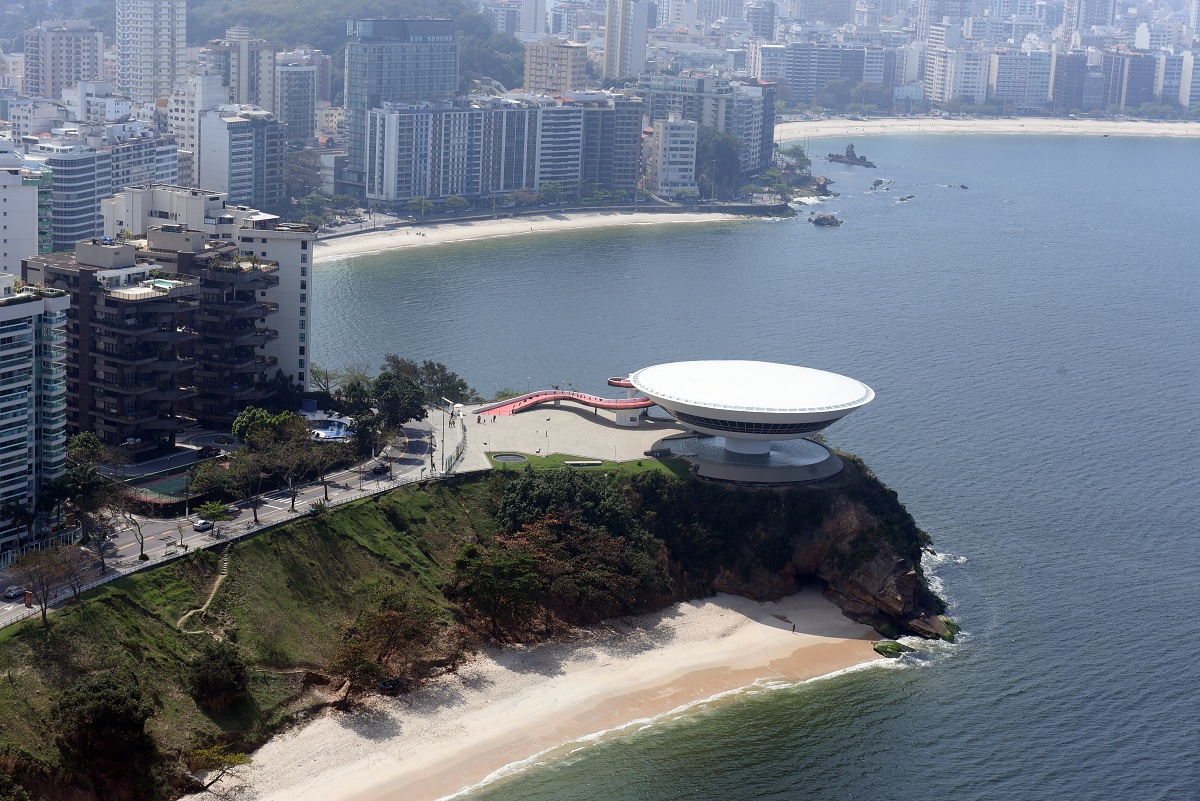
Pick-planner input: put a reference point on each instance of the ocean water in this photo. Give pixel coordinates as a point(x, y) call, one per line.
point(1033, 341)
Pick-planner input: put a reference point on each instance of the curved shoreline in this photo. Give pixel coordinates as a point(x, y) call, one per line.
point(442, 233)
point(1038, 126)
point(513, 708)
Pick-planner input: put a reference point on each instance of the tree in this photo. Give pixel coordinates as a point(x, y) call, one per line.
point(218, 760)
point(437, 381)
point(420, 206)
point(21, 513)
point(324, 456)
point(248, 418)
point(718, 162)
point(100, 727)
point(796, 155)
point(217, 678)
point(456, 203)
point(302, 173)
point(77, 566)
point(398, 399)
point(214, 510)
point(550, 192)
point(11, 791)
point(344, 202)
point(41, 573)
point(502, 585)
point(322, 380)
point(835, 94)
point(126, 510)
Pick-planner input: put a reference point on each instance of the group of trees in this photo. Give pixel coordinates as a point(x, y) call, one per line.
point(570, 549)
point(386, 638)
point(278, 448)
point(718, 163)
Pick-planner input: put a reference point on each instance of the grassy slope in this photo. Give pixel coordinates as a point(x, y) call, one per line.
point(288, 595)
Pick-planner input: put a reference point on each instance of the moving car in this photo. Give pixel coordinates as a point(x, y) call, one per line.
point(380, 469)
point(208, 451)
point(203, 525)
point(14, 592)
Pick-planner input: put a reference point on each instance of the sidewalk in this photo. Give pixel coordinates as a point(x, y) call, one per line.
point(162, 537)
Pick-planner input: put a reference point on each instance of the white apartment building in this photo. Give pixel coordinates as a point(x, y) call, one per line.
point(957, 74)
point(18, 210)
point(33, 389)
point(672, 167)
point(257, 233)
point(151, 47)
point(242, 150)
point(191, 98)
point(768, 61)
point(94, 102)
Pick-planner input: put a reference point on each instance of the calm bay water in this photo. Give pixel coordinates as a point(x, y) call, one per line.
point(1033, 340)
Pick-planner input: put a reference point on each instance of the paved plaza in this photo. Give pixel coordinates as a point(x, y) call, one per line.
point(567, 429)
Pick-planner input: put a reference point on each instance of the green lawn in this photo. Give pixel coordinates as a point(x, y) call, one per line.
point(676, 467)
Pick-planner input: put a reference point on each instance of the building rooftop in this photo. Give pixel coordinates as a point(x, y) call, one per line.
point(751, 386)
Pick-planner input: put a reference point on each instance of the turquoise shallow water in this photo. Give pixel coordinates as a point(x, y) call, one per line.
point(1033, 343)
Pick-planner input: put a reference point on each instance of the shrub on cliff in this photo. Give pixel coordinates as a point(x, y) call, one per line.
point(100, 726)
point(217, 677)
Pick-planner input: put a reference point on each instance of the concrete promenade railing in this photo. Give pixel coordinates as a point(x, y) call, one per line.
point(172, 552)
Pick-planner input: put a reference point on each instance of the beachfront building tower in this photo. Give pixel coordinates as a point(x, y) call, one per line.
point(392, 61)
point(151, 47)
point(33, 401)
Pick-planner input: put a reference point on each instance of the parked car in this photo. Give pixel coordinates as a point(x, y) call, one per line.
point(203, 525)
point(14, 592)
point(208, 452)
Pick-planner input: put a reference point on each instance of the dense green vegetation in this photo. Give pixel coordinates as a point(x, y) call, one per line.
point(117, 699)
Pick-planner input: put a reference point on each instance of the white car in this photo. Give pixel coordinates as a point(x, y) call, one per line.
point(203, 525)
point(14, 592)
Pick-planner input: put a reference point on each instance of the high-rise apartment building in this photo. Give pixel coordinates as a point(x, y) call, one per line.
point(246, 65)
point(60, 54)
point(760, 16)
point(392, 61)
point(242, 150)
point(309, 57)
point(482, 148)
point(256, 233)
point(672, 163)
point(745, 109)
point(193, 97)
point(151, 47)
point(21, 199)
point(33, 449)
point(625, 25)
point(1129, 78)
point(555, 65)
point(296, 99)
point(125, 378)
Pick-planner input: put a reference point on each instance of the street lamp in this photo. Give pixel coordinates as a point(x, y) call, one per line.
point(449, 405)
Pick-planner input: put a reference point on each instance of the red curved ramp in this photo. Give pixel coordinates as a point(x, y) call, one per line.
point(514, 405)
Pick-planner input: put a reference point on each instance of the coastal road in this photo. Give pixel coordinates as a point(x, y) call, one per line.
point(408, 458)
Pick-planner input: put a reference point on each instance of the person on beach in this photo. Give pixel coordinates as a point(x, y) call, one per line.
point(793, 628)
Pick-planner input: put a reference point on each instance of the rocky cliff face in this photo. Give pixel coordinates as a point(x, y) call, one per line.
point(851, 534)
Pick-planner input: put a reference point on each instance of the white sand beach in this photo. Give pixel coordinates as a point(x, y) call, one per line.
point(510, 708)
point(841, 126)
point(478, 230)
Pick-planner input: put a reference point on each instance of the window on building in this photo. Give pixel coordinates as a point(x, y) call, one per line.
point(304, 258)
point(303, 297)
point(301, 364)
point(304, 271)
point(264, 254)
point(303, 242)
point(302, 337)
point(304, 285)
point(303, 312)
point(300, 378)
point(301, 350)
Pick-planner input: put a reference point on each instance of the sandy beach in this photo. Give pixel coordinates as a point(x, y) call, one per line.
point(1015, 125)
point(442, 233)
point(515, 707)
